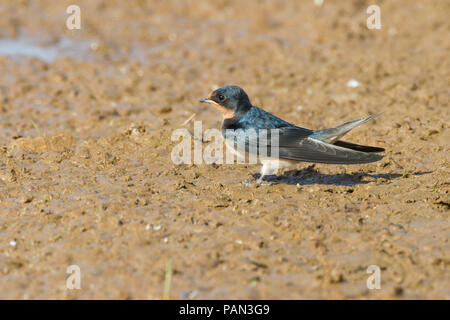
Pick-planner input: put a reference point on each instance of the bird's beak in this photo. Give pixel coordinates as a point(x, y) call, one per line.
point(221, 108)
point(206, 100)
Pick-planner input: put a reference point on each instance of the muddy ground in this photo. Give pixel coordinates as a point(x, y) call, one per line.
point(86, 176)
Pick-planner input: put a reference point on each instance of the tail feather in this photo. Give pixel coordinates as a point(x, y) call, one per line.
point(357, 147)
point(331, 135)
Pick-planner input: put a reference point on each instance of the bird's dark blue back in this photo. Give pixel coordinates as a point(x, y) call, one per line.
point(257, 118)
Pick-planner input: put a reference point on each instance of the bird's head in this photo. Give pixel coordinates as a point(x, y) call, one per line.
point(229, 100)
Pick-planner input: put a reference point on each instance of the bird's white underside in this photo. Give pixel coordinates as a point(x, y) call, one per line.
point(270, 165)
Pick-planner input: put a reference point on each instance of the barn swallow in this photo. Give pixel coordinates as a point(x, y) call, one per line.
point(295, 144)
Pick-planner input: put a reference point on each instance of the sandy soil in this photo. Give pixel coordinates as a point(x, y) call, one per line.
point(85, 142)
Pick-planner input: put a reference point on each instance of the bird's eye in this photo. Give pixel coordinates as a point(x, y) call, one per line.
point(221, 97)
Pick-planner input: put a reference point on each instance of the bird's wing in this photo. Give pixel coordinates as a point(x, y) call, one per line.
point(296, 143)
point(357, 147)
point(251, 140)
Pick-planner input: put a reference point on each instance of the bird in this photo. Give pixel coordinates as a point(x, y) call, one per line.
point(295, 144)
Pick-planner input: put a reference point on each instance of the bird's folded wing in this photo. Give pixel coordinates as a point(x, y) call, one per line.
point(357, 147)
point(295, 143)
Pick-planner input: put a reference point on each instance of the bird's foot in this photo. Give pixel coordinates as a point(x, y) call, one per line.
point(261, 183)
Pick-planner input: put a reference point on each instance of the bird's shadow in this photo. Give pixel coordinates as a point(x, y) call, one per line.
point(312, 176)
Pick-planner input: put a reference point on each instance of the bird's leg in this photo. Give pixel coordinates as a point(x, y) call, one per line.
point(266, 169)
point(247, 183)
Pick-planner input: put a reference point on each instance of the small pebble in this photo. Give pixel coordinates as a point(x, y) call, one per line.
point(123, 70)
point(318, 3)
point(94, 46)
point(26, 199)
point(353, 83)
